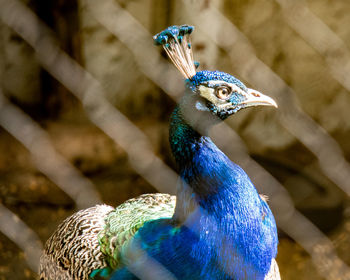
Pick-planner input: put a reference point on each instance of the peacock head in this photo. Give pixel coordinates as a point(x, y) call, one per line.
point(216, 92)
point(223, 95)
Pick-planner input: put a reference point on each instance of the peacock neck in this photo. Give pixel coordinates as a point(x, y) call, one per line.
point(217, 200)
point(183, 138)
point(208, 176)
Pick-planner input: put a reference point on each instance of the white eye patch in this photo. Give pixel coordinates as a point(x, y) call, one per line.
point(208, 94)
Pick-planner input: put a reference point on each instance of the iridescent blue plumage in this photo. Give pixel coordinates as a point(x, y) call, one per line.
point(230, 235)
point(221, 228)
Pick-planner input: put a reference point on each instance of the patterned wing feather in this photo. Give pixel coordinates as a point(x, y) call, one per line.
point(126, 219)
point(92, 240)
point(72, 252)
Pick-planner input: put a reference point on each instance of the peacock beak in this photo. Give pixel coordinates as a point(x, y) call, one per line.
point(256, 98)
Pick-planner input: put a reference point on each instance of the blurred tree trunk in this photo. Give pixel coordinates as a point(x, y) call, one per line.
point(62, 17)
point(19, 69)
point(22, 78)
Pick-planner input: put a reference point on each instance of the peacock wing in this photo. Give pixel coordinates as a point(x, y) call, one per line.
point(122, 223)
point(72, 252)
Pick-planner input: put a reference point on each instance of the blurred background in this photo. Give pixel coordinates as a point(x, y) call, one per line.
point(85, 100)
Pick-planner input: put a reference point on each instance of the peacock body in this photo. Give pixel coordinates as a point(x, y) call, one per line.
point(217, 226)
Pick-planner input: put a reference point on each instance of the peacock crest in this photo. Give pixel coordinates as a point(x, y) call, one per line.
point(176, 42)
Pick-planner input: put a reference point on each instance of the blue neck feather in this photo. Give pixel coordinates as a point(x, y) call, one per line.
point(221, 228)
point(231, 216)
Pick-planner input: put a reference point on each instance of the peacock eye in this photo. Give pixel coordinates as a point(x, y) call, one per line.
point(223, 92)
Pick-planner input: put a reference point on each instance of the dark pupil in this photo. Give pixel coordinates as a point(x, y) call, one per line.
point(224, 91)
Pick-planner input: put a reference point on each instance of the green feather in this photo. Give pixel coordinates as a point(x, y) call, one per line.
point(126, 219)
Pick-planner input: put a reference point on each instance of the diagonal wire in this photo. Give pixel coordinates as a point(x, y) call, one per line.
point(131, 32)
point(320, 37)
point(87, 89)
point(45, 157)
point(280, 201)
point(118, 17)
point(79, 82)
point(292, 117)
point(289, 214)
point(307, 131)
point(22, 20)
point(291, 221)
point(25, 238)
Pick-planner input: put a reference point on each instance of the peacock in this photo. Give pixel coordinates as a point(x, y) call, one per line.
point(216, 227)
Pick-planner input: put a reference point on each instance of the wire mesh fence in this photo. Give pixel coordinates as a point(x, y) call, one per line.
point(141, 156)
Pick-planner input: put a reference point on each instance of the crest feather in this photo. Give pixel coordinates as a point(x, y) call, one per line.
point(177, 44)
